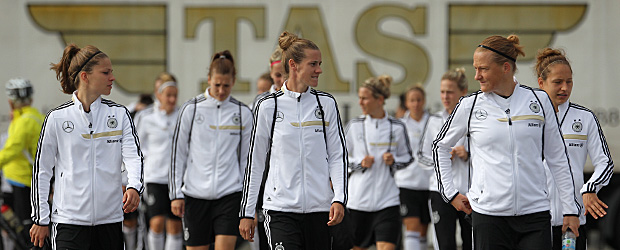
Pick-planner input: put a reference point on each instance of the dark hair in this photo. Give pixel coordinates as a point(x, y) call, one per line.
point(546, 57)
point(417, 87)
point(293, 48)
point(266, 77)
point(458, 76)
point(223, 63)
point(508, 46)
point(379, 86)
point(75, 60)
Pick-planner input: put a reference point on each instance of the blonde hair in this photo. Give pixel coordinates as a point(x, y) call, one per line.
point(378, 86)
point(505, 49)
point(458, 76)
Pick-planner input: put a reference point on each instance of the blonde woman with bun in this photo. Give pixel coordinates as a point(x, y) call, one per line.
point(298, 145)
point(378, 145)
point(583, 137)
point(453, 86)
point(510, 129)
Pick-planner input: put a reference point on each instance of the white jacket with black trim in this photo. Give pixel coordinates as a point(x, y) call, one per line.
point(84, 152)
point(155, 129)
point(306, 154)
point(507, 151)
point(461, 169)
point(416, 176)
point(583, 137)
point(373, 189)
point(206, 161)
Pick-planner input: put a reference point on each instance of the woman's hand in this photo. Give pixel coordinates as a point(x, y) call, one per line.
point(131, 200)
point(178, 207)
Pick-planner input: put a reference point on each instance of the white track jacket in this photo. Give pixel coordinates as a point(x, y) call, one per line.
point(155, 129)
point(583, 136)
point(209, 148)
point(460, 168)
point(416, 176)
point(507, 150)
point(373, 189)
point(305, 154)
point(85, 152)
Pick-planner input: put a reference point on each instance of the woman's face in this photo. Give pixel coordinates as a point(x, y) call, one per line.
point(450, 94)
point(559, 83)
point(309, 69)
point(220, 85)
point(168, 98)
point(100, 79)
point(368, 102)
point(415, 102)
point(277, 74)
point(488, 72)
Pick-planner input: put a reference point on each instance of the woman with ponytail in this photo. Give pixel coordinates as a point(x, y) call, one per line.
point(82, 145)
point(378, 146)
point(583, 137)
point(298, 145)
point(209, 152)
point(510, 129)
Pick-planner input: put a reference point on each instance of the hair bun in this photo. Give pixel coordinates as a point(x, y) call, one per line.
point(286, 40)
point(386, 80)
point(513, 39)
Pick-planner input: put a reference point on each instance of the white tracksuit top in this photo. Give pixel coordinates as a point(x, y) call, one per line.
point(416, 176)
point(373, 189)
point(85, 152)
point(460, 168)
point(209, 165)
point(583, 136)
point(155, 129)
point(507, 152)
point(303, 158)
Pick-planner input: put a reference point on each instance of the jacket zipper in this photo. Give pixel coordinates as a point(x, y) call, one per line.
point(92, 170)
point(217, 155)
point(515, 171)
point(301, 155)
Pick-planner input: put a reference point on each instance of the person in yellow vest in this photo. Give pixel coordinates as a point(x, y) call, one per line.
point(20, 147)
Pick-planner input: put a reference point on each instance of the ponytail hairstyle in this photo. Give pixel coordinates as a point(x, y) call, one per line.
point(547, 57)
point(293, 48)
point(458, 76)
point(506, 49)
point(75, 60)
point(223, 63)
point(379, 86)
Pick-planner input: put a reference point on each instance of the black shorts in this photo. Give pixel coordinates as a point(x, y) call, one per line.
point(582, 240)
point(414, 203)
point(295, 231)
point(445, 217)
point(74, 237)
point(204, 219)
point(370, 227)
point(530, 231)
point(158, 201)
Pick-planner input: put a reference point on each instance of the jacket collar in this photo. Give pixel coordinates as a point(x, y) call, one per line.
point(93, 106)
point(562, 111)
point(23, 110)
point(384, 118)
point(212, 101)
point(293, 94)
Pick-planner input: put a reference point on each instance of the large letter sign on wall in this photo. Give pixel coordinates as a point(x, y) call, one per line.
point(408, 55)
point(472, 23)
point(133, 36)
point(225, 22)
point(308, 23)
